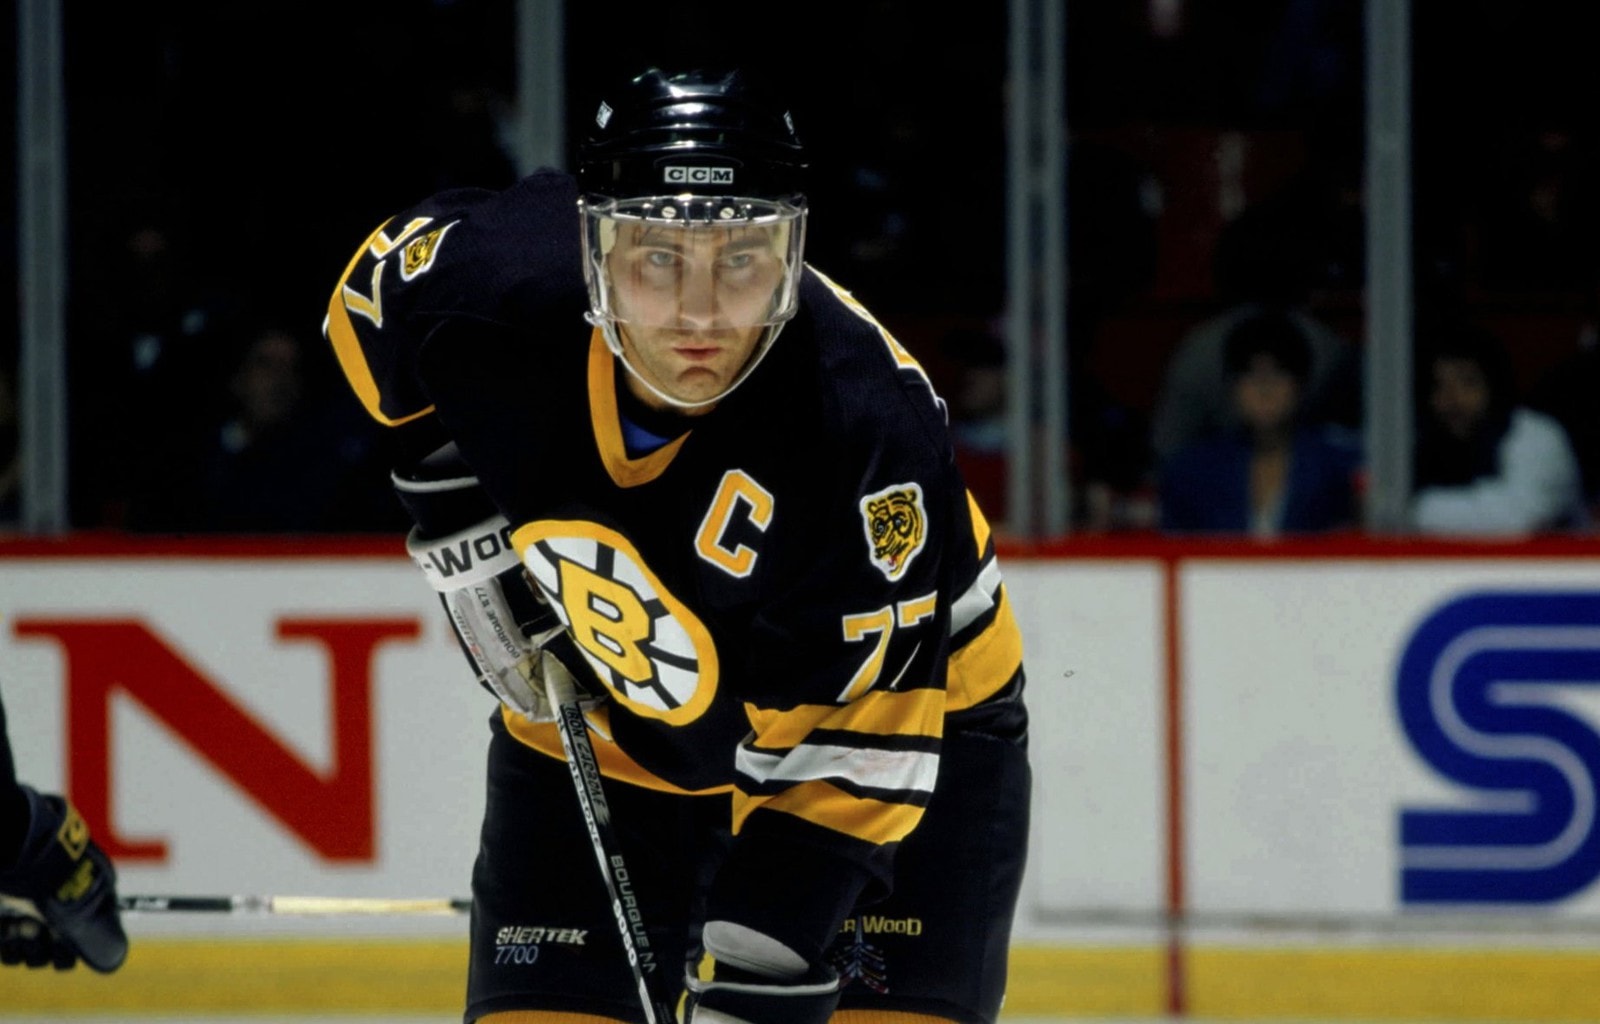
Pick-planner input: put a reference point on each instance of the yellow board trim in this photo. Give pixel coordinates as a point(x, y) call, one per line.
point(292, 977)
point(1454, 985)
point(1088, 981)
point(884, 1017)
point(281, 977)
point(545, 1017)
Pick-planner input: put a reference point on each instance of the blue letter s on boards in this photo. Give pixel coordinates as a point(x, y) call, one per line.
point(1479, 690)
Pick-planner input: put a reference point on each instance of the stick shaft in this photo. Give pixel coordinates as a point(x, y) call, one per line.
point(323, 906)
point(585, 768)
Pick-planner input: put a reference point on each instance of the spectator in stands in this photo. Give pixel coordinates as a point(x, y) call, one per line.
point(145, 330)
point(1269, 473)
point(290, 457)
point(1263, 266)
point(1486, 465)
point(286, 458)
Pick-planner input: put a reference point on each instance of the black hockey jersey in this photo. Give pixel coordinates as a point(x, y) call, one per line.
point(788, 601)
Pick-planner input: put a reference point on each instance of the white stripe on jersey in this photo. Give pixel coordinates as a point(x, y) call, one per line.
point(878, 769)
point(979, 597)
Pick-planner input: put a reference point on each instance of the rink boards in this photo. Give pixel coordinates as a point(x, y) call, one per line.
point(1347, 779)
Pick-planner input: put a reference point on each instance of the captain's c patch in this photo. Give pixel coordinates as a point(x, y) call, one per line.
point(896, 527)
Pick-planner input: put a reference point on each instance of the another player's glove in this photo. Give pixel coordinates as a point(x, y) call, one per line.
point(60, 897)
point(24, 939)
point(742, 997)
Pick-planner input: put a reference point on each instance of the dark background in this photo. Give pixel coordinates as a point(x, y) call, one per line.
point(225, 160)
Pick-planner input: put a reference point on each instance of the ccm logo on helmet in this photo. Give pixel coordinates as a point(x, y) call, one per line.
point(697, 175)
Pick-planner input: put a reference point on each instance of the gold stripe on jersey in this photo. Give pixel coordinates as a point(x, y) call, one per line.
point(347, 347)
point(875, 821)
point(607, 422)
point(984, 665)
point(918, 712)
point(614, 761)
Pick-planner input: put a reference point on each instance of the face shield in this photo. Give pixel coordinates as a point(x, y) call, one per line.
point(692, 267)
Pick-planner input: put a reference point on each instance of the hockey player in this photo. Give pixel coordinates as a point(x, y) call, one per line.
point(755, 552)
point(58, 898)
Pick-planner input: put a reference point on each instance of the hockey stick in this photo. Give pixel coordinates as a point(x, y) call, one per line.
point(585, 768)
point(293, 905)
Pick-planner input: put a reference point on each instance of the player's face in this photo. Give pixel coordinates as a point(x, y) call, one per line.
point(692, 303)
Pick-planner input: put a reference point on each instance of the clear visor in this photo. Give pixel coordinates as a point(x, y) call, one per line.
point(690, 263)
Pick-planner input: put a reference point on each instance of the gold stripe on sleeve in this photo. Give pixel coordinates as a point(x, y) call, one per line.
point(917, 712)
point(347, 347)
point(980, 525)
point(988, 661)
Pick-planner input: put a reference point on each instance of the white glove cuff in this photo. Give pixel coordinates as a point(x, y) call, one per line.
point(478, 553)
point(470, 570)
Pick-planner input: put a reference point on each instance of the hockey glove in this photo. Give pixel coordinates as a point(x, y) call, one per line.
point(500, 619)
point(743, 997)
point(24, 939)
point(463, 547)
point(63, 897)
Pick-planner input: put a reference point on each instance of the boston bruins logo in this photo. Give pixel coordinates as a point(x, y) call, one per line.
point(645, 645)
point(896, 527)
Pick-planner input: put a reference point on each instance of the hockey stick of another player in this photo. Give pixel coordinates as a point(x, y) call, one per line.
point(585, 768)
point(293, 905)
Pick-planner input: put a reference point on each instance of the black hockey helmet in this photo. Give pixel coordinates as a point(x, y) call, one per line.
point(700, 132)
point(693, 216)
